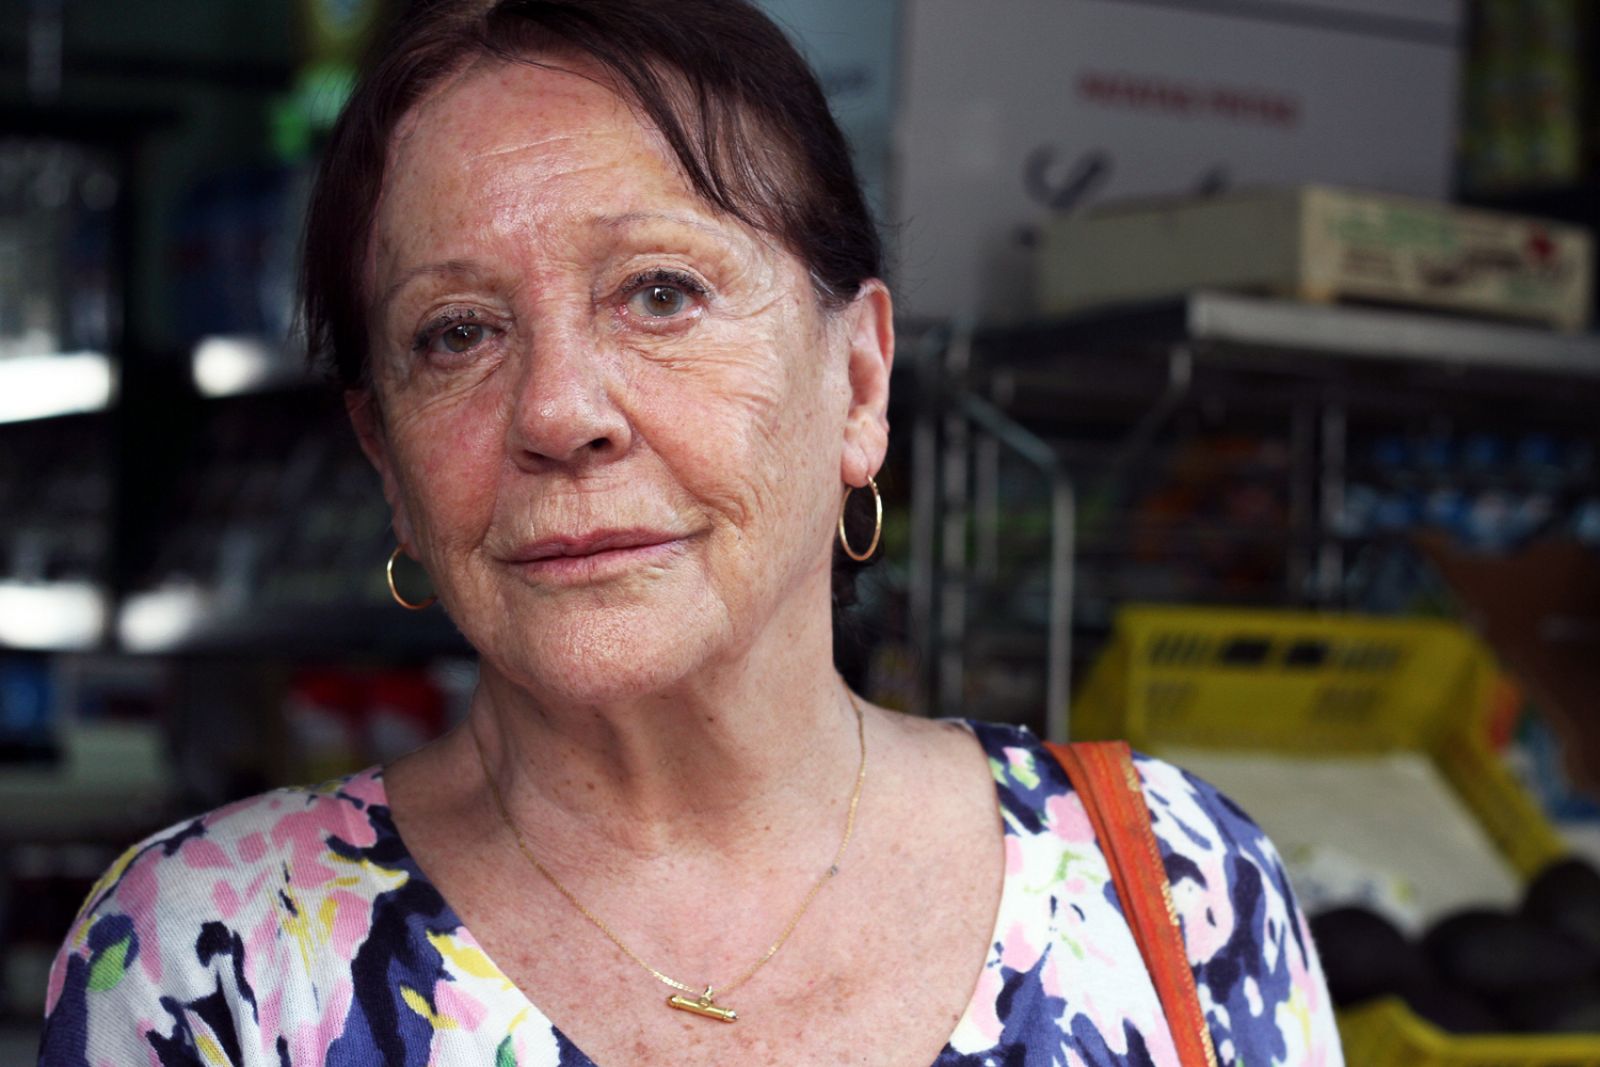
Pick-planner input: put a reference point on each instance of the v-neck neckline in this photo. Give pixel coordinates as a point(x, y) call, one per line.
point(1007, 912)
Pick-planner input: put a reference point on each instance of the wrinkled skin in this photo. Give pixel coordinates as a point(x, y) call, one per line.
point(532, 381)
point(567, 340)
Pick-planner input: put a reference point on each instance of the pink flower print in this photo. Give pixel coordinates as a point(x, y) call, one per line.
point(225, 900)
point(264, 949)
point(1158, 1040)
point(367, 787)
point(307, 834)
point(350, 922)
point(1022, 767)
point(981, 1016)
point(1206, 911)
point(271, 1002)
point(252, 848)
point(200, 854)
point(1015, 859)
point(137, 894)
point(1066, 818)
point(460, 1007)
point(1021, 951)
point(58, 977)
point(309, 1043)
point(1050, 974)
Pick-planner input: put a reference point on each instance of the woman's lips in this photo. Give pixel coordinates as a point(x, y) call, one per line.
point(594, 555)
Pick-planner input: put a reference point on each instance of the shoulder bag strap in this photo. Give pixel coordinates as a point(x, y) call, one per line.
point(1102, 773)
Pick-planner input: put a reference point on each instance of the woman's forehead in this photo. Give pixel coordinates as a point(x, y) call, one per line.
point(494, 107)
point(506, 147)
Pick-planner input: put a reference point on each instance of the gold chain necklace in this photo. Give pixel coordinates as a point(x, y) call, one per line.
point(698, 1002)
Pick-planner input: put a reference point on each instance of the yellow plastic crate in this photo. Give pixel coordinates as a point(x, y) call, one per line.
point(1384, 1033)
point(1302, 683)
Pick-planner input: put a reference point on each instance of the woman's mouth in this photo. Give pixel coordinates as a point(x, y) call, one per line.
point(594, 555)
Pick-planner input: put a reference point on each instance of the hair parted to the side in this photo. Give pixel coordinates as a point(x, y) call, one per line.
point(739, 107)
point(736, 103)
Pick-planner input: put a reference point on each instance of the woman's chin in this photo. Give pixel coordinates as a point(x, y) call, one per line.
point(598, 658)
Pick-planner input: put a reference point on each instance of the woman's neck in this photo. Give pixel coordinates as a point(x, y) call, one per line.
point(734, 754)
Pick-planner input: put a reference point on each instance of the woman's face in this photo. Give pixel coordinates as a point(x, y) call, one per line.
point(613, 424)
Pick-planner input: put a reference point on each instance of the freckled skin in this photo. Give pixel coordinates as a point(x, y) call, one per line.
point(578, 414)
point(672, 735)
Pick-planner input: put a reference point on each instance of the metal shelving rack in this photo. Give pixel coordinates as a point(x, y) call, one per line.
point(986, 394)
point(260, 383)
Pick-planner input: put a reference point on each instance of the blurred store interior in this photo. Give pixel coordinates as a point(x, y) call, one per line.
point(1247, 405)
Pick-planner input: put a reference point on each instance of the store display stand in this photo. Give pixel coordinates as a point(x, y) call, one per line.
point(989, 396)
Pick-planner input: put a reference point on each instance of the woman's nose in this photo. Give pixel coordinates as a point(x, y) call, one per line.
point(564, 410)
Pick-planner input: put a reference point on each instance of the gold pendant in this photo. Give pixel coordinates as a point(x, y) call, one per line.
point(702, 1006)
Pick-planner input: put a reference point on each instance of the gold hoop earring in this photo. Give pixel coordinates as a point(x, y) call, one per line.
point(398, 599)
point(877, 530)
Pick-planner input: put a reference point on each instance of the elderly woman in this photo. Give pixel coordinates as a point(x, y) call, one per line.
point(605, 302)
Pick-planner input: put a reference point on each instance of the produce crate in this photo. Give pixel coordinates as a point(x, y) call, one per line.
point(1384, 1033)
point(1305, 684)
point(1321, 244)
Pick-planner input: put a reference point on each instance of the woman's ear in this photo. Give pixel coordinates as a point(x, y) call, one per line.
point(367, 419)
point(870, 325)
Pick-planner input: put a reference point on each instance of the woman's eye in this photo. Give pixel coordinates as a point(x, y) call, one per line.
point(453, 335)
point(658, 301)
point(461, 337)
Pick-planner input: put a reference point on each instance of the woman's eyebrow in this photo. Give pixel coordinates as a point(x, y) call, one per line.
point(467, 268)
point(635, 218)
point(448, 267)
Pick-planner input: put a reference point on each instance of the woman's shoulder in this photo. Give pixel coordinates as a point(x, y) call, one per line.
point(1208, 844)
point(272, 930)
point(287, 833)
point(1179, 801)
point(178, 903)
point(1254, 962)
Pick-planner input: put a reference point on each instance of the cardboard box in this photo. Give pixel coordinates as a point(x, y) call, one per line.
point(1012, 113)
point(1322, 244)
point(1540, 612)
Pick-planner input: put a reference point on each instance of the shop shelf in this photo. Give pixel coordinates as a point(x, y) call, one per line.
point(52, 616)
point(196, 621)
point(1219, 324)
point(114, 779)
point(43, 387)
point(238, 364)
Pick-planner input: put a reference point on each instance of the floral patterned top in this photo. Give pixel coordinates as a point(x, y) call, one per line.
point(295, 928)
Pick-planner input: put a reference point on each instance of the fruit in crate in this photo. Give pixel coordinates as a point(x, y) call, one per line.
point(1495, 953)
point(1365, 955)
point(1454, 1010)
point(1565, 897)
point(1560, 1009)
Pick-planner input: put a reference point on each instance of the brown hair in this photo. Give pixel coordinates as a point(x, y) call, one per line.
point(738, 106)
point(736, 103)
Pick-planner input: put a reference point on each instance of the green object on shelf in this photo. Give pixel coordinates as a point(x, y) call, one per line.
point(320, 93)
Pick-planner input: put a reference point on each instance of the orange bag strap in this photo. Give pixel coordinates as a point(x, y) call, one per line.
point(1103, 775)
